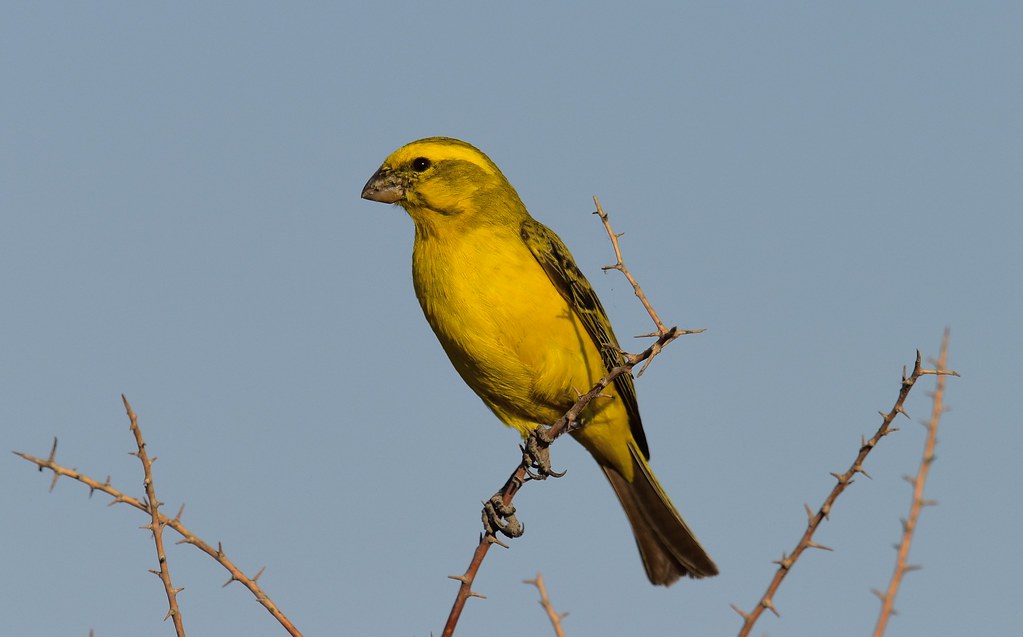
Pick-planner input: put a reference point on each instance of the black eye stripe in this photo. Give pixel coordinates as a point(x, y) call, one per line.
point(419, 164)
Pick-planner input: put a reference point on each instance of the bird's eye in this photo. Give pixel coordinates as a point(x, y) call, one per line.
point(419, 164)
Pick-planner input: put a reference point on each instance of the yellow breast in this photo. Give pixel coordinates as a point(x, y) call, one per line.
point(512, 337)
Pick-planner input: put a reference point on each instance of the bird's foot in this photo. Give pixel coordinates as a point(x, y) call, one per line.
point(499, 517)
point(536, 455)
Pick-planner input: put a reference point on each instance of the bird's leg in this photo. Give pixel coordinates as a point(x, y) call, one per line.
point(536, 455)
point(500, 517)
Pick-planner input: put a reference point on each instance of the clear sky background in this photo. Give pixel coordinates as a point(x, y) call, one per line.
point(822, 186)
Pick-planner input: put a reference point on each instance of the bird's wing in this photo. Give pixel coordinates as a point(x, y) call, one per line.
point(557, 262)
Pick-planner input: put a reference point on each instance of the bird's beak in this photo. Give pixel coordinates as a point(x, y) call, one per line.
point(385, 186)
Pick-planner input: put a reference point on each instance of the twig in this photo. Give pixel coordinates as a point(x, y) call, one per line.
point(620, 266)
point(902, 565)
point(187, 536)
point(565, 424)
point(843, 480)
point(554, 616)
point(156, 526)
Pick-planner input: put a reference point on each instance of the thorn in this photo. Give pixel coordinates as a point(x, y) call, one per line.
point(459, 578)
point(785, 562)
point(809, 513)
point(492, 539)
point(928, 503)
point(813, 545)
point(697, 331)
point(475, 594)
point(881, 596)
point(769, 605)
point(745, 616)
point(909, 568)
point(256, 578)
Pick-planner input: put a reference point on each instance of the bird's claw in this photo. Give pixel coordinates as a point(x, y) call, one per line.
point(536, 455)
point(499, 517)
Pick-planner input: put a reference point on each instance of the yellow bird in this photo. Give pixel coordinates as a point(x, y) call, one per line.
point(525, 329)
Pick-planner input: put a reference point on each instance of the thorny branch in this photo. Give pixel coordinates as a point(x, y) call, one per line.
point(163, 521)
point(843, 480)
point(902, 565)
point(156, 525)
point(565, 424)
point(620, 266)
point(553, 615)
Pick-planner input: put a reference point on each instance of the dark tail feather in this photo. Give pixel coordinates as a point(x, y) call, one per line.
point(668, 548)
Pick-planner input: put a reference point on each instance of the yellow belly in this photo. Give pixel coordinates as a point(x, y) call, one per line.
point(514, 339)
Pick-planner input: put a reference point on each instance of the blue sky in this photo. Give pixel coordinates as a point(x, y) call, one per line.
point(823, 187)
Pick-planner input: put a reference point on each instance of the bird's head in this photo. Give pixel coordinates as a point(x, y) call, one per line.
point(443, 176)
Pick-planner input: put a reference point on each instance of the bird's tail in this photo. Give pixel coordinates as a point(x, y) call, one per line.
point(668, 548)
